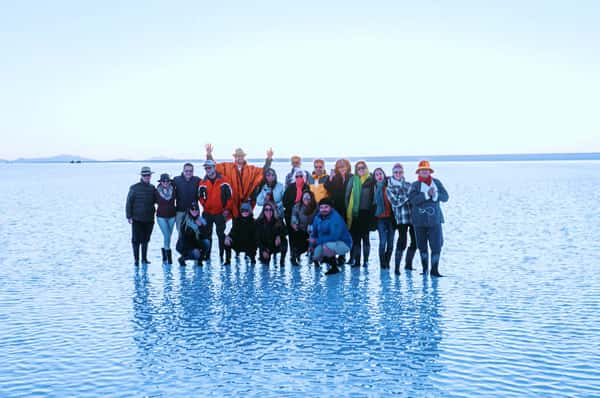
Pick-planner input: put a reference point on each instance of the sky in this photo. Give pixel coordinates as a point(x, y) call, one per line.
point(140, 79)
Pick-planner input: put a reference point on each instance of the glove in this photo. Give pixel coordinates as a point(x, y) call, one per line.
point(203, 193)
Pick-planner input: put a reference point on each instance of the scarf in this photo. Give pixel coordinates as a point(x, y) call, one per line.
point(427, 180)
point(354, 203)
point(191, 223)
point(299, 191)
point(380, 197)
point(165, 193)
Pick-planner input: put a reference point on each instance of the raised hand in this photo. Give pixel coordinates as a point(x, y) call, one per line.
point(209, 149)
point(270, 153)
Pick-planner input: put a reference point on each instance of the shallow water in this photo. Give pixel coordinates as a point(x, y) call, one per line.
point(516, 315)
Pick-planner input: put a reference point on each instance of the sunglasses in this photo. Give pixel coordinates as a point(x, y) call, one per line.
point(194, 209)
point(244, 211)
point(398, 171)
point(361, 168)
point(146, 175)
point(188, 171)
point(299, 176)
point(268, 209)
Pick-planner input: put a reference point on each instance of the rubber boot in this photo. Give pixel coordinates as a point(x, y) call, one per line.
point(397, 269)
point(388, 258)
point(435, 261)
point(355, 256)
point(145, 253)
point(366, 250)
point(425, 263)
point(333, 268)
point(136, 253)
point(398, 257)
point(169, 256)
point(410, 255)
point(227, 256)
point(435, 271)
point(181, 261)
point(164, 255)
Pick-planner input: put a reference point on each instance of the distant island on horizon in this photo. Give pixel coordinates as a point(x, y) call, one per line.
point(371, 158)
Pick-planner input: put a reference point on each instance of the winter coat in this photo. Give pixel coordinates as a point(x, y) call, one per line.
point(215, 196)
point(366, 207)
point(140, 202)
point(336, 189)
point(186, 191)
point(331, 228)
point(188, 239)
point(397, 193)
point(426, 211)
point(301, 218)
point(383, 209)
point(276, 194)
point(243, 232)
point(289, 200)
point(317, 186)
point(266, 232)
point(244, 183)
point(166, 207)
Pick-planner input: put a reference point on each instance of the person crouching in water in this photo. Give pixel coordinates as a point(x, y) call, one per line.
point(242, 237)
point(425, 196)
point(270, 235)
point(329, 236)
point(302, 217)
point(193, 243)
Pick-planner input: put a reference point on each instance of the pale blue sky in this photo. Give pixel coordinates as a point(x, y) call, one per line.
point(149, 78)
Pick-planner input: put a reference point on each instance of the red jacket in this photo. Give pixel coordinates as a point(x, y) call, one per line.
point(215, 196)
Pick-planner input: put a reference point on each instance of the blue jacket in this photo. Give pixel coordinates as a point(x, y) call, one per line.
point(330, 229)
point(425, 212)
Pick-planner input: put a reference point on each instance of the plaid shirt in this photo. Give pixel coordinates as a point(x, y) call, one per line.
point(397, 192)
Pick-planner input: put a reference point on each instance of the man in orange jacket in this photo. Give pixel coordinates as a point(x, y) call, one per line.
point(244, 178)
point(215, 196)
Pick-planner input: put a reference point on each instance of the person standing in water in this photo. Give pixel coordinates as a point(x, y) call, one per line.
point(186, 192)
point(425, 196)
point(244, 178)
point(139, 210)
point(385, 221)
point(317, 180)
point(215, 195)
point(397, 192)
point(360, 212)
point(166, 214)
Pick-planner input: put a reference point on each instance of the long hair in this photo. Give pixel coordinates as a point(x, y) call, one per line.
point(385, 179)
point(344, 162)
point(275, 212)
point(264, 181)
point(312, 205)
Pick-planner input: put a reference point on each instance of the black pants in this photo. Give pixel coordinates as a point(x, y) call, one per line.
point(141, 231)
point(298, 242)
point(360, 234)
point(403, 231)
point(248, 248)
point(219, 221)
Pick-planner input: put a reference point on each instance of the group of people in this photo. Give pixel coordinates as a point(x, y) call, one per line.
point(325, 215)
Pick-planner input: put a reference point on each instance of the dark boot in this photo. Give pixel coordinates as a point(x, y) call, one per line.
point(366, 250)
point(410, 255)
point(181, 261)
point(388, 258)
point(425, 263)
point(227, 256)
point(169, 256)
point(435, 261)
point(145, 253)
point(136, 253)
point(398, 257)
point(341, 260)
point(164, 255)
point(333, 268)
point(397, 269)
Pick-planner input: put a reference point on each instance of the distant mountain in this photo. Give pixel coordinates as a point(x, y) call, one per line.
point(55, 159)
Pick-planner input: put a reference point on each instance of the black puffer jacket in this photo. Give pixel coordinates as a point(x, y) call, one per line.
point(186, 192)
point(267, 231)
point(140, 202)
point(243, 232)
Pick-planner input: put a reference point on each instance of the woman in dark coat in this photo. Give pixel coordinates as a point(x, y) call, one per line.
point(360, 212)
point(425, 196)
point(166, 213)
point(337, 185)
point(270, 235)
point(242, 237)
point(193, 243)
point(303, 214)
point(291, 196)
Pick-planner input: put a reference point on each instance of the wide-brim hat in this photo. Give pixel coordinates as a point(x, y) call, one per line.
point(424, 165)
point(146, 170)
point(164, 177)
point(239, 152)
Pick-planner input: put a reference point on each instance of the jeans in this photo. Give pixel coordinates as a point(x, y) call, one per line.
point(385, 228)
point(179, 219)
point(166, 226)
point(432, 235)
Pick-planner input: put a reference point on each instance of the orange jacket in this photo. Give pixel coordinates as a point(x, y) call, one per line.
point(215, 196)
point(243, 184)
